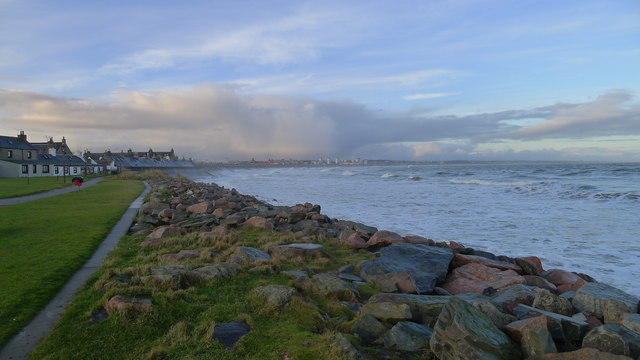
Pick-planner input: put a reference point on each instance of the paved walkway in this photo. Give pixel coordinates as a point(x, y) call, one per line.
point(26, 340)
point(68, 189)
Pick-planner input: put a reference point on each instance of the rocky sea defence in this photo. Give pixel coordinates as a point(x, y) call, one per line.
point(396, 294)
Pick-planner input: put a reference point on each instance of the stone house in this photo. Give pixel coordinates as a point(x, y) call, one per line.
point(20, 158)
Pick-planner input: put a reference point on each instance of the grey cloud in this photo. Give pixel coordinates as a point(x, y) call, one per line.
point(211, 121)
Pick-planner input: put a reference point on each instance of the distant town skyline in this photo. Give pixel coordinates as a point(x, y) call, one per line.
point(414, 80)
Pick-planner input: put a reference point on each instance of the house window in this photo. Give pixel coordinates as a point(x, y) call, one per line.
point(45, 169)
point(75, 170)
point(9, 153)
point(28, 154)
point(25, 169)
point(35, 168)
point(57, 170)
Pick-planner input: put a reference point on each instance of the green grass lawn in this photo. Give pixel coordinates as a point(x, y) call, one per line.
point(14, 187)
point(181, 322)
point(43, 242)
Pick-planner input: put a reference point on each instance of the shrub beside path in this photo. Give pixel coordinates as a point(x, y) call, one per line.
point(26, 340)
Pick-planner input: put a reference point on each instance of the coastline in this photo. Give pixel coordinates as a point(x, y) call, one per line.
point(581, 223)
point(354, 291)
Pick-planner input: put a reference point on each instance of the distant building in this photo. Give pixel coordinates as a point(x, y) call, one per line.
point(137, 161)
point(20, 158)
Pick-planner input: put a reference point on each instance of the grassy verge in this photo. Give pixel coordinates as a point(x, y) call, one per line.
point(43, 242)
point(14, 187)
point(181, 322)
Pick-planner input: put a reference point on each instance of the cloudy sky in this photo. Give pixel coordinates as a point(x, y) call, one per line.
point(424, 80)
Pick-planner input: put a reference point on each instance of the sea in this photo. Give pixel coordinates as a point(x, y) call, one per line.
point(582, 217)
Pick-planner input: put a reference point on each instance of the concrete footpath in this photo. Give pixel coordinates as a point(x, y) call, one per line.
point(68, 189)
point(26, 340)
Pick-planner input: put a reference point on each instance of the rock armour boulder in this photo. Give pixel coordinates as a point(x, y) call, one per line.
point(408, 268)
point(463, 332)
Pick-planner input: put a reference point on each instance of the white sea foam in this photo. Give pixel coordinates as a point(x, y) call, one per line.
point(491, 183)
point(388, 175)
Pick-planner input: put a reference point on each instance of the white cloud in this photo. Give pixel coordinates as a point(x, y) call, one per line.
point(291, 39)
point(426, 96)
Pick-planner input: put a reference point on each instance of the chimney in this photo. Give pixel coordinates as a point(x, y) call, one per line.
point(22, 136)
point(64, 141)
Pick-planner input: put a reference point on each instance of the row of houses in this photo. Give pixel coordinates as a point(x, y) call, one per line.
point(21, 158)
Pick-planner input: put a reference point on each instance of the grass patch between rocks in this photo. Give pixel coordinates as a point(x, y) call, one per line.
point(43, 242)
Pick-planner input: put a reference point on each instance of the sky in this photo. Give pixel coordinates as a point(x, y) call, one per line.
point(403, 80)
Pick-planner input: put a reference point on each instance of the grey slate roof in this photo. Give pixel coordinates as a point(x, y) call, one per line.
point(151, 163)
point(44, 159)
point(9, 142)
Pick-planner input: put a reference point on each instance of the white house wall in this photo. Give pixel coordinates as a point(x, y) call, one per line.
point(9, 169)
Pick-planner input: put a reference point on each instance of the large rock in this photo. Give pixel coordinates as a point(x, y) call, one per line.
point(415, 239)
point(368, 329)
point(596, 297)
point(387, 311)
point(461, 260)
point(217, 271)
point(510, 296)
point(497, 317)
point(531, 265)
point(327, 285)
point(408, 268)
point(123, 302)
point(244, 255)
point(464, 332)
point(259, 222)
point(384, 238)
point(564, 280)
point(489, 308)
point(631, 322)
point(304, 251)
point(476, 278)
point(273, 297)
point(547, 301)
point(537, 341)
point(540, 282)
point(364, 230)
point(408, 336)
point(516, 329)
point(582, 354)
point(173, 269)
point(205, 207)
point(164, 232)
point(566, 332)
point(425, 309)
point(343, 346)
point(614, 339)
point(153, 207)
point(353, 239)
point(181, 255)
point(228, 334)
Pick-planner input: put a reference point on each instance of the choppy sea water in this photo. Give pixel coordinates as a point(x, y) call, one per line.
point(575, 216)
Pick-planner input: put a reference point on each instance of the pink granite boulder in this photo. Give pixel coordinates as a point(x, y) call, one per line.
point(461, 260)
point(475, 277)
point(205, 207)
point(384, 238)
point(564, 280)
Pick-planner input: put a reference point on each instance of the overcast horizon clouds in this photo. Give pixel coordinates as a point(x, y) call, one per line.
point(415, 80)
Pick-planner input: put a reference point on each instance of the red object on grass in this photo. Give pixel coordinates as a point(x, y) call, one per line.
point(77, 181)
